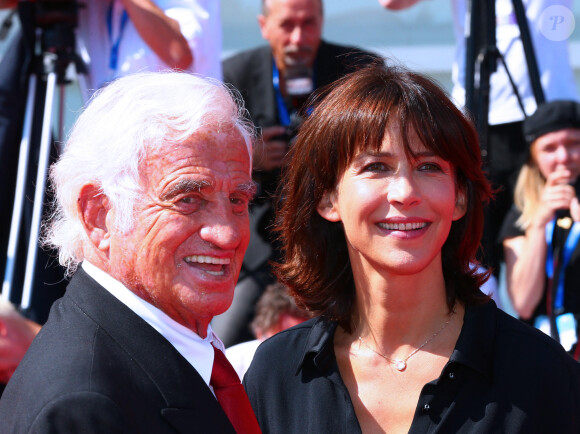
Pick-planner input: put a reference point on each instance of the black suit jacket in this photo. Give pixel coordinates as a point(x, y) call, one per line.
point(98, 367)
point(251, 73)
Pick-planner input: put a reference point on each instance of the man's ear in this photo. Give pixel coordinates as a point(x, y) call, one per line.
point(93, 208)
point(460, 205)
point(327, 207)
point(262, 23)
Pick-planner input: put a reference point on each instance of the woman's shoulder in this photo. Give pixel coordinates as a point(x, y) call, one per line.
point(526, 356)
point(292, 340)
point(291, 347)
point(513, 349)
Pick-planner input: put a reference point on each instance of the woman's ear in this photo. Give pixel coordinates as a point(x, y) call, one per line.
point(93, 207)
point(460, 205)
point(327, 207)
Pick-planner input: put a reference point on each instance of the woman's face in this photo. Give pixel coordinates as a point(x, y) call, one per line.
point(396, 212)
point(558, 150)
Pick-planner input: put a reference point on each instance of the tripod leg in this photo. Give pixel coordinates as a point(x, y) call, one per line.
point(20, 190)
point(39, 191)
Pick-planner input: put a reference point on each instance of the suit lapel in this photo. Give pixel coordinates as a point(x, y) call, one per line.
point(189, 402)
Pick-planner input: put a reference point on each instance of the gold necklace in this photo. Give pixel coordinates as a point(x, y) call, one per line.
point(401, 364)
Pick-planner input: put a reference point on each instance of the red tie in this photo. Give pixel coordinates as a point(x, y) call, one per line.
point(231, 395)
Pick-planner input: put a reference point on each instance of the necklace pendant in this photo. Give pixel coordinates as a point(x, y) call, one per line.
point(401, 365)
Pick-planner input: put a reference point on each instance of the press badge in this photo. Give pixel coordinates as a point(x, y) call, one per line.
point(566, 324)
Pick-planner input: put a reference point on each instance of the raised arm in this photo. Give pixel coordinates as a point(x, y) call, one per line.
point(525, 259)
point(160, 32)
point(16, 334)
point(396, 5)
point(525, 256)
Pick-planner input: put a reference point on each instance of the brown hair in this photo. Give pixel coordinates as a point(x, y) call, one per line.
point(349, 116)
point(273, 303)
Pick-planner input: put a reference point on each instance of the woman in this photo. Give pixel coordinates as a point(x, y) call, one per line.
point(539, 237)
point(382, 215)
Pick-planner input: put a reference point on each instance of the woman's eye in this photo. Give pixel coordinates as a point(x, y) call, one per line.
point(430, 167)
point(375, 167)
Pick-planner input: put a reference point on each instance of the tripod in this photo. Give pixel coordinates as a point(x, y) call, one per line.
point(482, 56)
point(50, 26)
point(498, 141)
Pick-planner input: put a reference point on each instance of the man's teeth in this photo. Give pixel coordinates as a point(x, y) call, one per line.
point(402, 226)
point(201, 259)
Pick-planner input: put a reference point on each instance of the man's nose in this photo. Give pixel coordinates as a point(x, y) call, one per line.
point(223, 228)
point(297, 35)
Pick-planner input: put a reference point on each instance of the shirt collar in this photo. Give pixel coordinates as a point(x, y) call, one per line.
point(196, 350)
point(319, 348)
point(474, 348)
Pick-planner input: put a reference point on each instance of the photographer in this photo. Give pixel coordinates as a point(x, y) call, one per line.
point(540, 235)
point(118, 37)
point(275, 80)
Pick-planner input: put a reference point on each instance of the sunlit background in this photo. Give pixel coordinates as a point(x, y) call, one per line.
point(420, 37)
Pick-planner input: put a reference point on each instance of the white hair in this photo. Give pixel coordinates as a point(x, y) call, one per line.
point(122, 122)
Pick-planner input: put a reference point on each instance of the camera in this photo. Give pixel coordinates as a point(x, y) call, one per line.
point(291, 130)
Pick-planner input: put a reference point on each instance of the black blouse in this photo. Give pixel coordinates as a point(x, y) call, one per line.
point(503, 376)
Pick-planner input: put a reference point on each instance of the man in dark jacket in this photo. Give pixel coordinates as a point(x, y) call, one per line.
point(275, 80)
point(152, 217)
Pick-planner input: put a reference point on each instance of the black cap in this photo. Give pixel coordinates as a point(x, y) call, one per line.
point(552, 116)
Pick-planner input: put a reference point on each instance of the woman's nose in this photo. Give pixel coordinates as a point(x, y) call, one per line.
point(403, 190)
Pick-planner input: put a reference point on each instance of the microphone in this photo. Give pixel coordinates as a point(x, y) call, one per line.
point(563, 216)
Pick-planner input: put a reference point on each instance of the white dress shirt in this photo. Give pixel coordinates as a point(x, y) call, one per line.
point(196, 350)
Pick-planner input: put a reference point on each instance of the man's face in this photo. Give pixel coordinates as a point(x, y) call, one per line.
point(293, 28)
point(191, 228)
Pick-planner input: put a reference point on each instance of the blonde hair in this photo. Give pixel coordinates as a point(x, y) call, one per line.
point(528, 192)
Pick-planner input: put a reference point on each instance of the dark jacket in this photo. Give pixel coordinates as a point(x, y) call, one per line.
point(97, 367)
point(251, 73)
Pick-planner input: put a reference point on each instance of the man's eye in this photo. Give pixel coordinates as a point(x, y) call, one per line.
point(188, 204)
point(239, 201)
point(187, 200)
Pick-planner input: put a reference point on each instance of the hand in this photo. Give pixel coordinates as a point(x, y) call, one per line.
point(8, 4)
point(270, 152)
point(557, 194)
point(16, 335)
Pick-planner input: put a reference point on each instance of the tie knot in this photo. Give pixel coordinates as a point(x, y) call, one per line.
point(223, 373)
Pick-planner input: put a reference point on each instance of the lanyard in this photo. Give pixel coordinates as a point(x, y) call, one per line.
point(282, 110)
point(114, 55)
point(569, 246)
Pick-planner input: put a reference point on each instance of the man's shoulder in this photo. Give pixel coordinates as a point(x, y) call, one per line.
point(243, 59)
point(341, 49)
point(334, 61)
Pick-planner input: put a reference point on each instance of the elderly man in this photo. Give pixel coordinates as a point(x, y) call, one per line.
point(152, 202)
point(275, 80)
